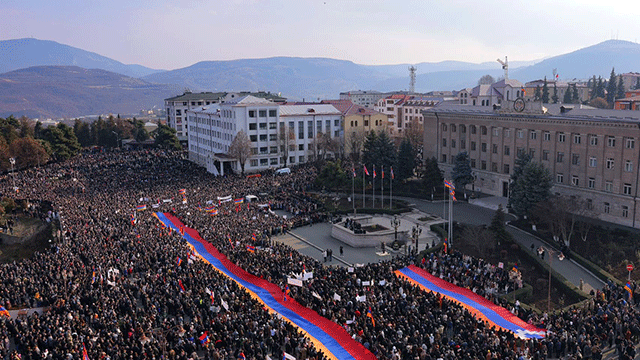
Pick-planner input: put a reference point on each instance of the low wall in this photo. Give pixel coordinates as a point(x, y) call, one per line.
point(370, 239)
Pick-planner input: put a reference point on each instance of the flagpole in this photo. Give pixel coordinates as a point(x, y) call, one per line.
point(353, 188)
point(364, 179)
point(391, 190)
point(373, 188)
point(382, 187)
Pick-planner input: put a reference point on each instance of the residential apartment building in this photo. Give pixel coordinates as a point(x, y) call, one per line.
point(363, 98)
point(268, 126)
point(631, 101)
point(357, 120)
point(177, 106)
point(404, 110)
point(591, 154)
point(630, 81)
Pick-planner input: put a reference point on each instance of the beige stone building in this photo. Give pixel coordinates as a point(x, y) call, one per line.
point(591, 154)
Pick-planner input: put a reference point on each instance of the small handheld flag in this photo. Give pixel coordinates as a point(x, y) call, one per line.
point(239, 200)
point(182, 191)
point(374, 171)
point(141, 207)
point(370, 315)
point(365, 170)
point(629, 290)
point(181, 286)
point(392, 176)
point(204, 339)
point(251, 248)
point(85, 356)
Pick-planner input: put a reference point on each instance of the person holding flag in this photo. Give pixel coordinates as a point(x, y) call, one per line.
point(370, 316)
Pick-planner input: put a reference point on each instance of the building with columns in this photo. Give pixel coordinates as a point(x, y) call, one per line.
point(591, 153)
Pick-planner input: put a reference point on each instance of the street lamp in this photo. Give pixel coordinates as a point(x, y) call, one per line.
point(552, 252)
point(13, 175)
point(117, 139)
point(395, 223)
point(415, 233)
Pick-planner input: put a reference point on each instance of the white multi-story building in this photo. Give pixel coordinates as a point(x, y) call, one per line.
point(279, 134)
point(363, 98)
point(178, 106)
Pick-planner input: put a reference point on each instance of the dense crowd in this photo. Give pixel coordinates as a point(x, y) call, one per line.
point(122, 286)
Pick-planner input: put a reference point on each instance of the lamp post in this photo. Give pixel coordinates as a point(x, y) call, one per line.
point(395, 223)
point(117, 139)
point(13, 175)
point(552, 252)
point(415, 233)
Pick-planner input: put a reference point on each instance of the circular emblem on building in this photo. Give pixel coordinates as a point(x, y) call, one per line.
point(518, 105)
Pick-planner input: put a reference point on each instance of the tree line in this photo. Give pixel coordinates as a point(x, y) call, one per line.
point(31, 144)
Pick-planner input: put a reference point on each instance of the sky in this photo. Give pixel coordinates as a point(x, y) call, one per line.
point(171, 34)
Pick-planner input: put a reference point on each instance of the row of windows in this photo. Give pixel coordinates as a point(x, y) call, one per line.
point(274, 161)
point(263, 113)
point(561, 137)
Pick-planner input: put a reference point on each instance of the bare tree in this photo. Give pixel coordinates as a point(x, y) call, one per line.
point(486, 80)
point(240, 148)
point(286, 139)
point(354, 142)
point(565, 215)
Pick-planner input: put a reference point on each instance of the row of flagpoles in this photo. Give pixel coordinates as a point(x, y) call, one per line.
point(365, 173)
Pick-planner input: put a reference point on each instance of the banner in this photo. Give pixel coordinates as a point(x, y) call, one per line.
point(326, 335)
point(295, 282)
point(480, 307)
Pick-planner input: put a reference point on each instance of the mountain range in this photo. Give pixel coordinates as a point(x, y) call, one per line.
point(47, 79)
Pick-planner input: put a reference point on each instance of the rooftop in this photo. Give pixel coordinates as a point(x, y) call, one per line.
point(346, 107)
point(189, 96)
point(310, 109)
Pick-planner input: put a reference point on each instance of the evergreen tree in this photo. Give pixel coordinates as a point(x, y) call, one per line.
point(432, 175)
point(531, 187)
point(568, 95)
point(369, 148)
point(555, 97)
point(620, 91)
point(332, 176)
point(386, 151)
point(612, 88)
point(498, 228)
point(406, 161)
point(462, 172)
point(545, 91)
point(165, 138)
point(537, 96)
point(575, 94)
point(600, 88)
point(62, 141)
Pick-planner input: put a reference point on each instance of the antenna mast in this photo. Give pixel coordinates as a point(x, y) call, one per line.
point(412, 79)
point(505, 67)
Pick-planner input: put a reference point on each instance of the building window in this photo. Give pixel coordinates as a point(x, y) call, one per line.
point(292, 159)
point(483, 130)
point(300, 147)
point(463, 129)
point(560, 157)
point(301, 158)
point(473, 129)
point(273, 126)
point(630, 143)
point(463, 144)
point(273, 161)
point(263, 137)
point(507, 151)
point(520, 151)
point(507, 133)
point(253, 138)
point(520, 134)
point(473, 145)
point(264, 162)
point(625, 211)
point(310, 129)
point(444, 142)
point(628, 166)
point(545, 155)
point(263, 150)
point(252, 113)
point(547, 136)
point(494, 148)
point(444, 158)
point(484, 147)
point(577, 138)
point(253, 126)
point(496, 132)
point(575, 159)
point(483, 165)
point(592, 183)
point(254, 162)
point(444, 127)
point(453, 143)
point(559, 178)
point(626, 189)
point(593, 162)
point(575, 181)
point(532, 153)
point(608, 186)
point(611, 141)
point(300, 129)
point(494, 167)
point(589, 204)
point(561, 137)
point(607, 208)
point(609, 163)
point(453, 127)
point(473, 163)
point(273, 113)
point(263, 126)
point(505, 168)
point(593, 140)
point(533, 135)
point(262, 113)
point(273, 137)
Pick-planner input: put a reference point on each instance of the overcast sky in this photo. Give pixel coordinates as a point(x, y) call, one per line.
point(170, 34)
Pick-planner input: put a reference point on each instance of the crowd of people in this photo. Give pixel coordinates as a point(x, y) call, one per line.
point(121, 286)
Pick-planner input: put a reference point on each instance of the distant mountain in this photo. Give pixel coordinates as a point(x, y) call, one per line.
point(23, 53)
point(70, 91)
point(298, 78)
point(401, 70)
point(582, 64)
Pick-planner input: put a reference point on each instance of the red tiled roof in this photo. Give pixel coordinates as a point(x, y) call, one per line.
point(346, 107)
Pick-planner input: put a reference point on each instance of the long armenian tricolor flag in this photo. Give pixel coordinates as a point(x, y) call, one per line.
point(326, 335)
point(474, 303)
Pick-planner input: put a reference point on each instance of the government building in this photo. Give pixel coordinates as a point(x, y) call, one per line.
point(591, 153)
